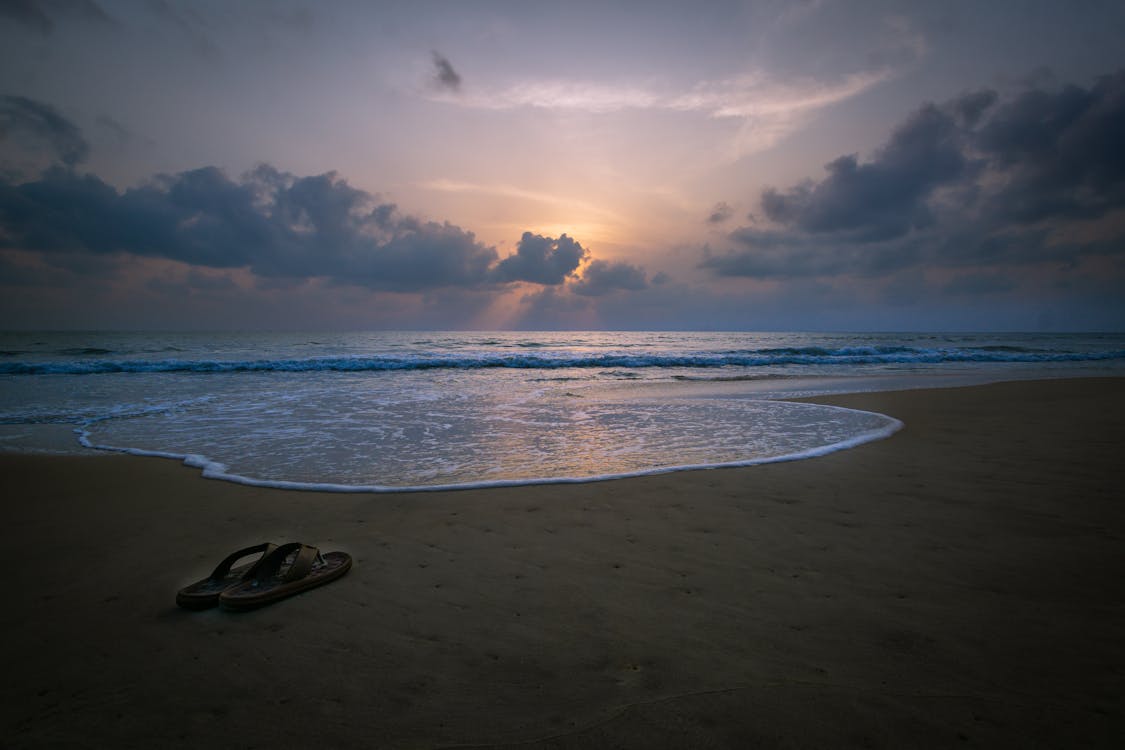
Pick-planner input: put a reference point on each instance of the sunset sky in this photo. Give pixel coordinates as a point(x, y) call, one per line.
point(714, 165)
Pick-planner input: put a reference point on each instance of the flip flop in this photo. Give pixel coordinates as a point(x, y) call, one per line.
point(205, 593)
point(287, 570)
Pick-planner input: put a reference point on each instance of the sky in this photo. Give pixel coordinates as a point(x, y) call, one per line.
point(819, 165)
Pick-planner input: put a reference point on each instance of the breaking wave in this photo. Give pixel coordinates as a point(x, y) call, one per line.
point(848, 356)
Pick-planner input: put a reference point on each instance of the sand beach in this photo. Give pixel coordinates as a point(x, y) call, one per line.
point(956, 585)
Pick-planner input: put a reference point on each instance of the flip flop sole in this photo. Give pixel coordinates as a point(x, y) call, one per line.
point(204, 594)
point(254, 594)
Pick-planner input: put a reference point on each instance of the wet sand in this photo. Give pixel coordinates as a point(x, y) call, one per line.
point(960, 584)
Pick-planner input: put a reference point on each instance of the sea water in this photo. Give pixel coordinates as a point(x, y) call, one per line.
point(408, 410)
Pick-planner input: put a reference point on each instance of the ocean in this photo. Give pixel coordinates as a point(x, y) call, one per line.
point(425, 410)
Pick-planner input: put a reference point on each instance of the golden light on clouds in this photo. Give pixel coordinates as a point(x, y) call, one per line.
point(504, 212)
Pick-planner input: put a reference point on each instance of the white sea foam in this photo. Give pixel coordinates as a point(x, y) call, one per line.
point(215, 470)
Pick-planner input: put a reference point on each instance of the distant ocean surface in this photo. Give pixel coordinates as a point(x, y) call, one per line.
point(378, 411)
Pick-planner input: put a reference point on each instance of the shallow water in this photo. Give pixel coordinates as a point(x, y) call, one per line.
point(410, 410)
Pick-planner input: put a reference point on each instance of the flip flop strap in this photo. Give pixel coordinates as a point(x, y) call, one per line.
point(299, 568)
point(223, 569)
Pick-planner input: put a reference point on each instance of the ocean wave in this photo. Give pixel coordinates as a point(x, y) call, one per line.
point(86, 351)
point(817, 356)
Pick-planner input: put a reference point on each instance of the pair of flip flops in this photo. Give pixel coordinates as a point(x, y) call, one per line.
point(279, 571)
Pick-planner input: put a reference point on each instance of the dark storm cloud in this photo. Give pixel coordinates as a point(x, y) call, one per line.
point(445, 76)
point(1063, 152)
point(542, 260)
point(602, 277)
point(274, 223)
point(887, 196)
point(970, 107)
point(22, 119)
point(973, 181)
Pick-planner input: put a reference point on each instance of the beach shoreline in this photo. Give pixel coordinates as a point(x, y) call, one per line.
point(957, 583)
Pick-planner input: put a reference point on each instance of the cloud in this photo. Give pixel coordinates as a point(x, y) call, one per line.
point(720, 213)
point(976, 182)
point(602, 277)
point(586, 96)
point(888, 195)
point(748, 95)
point(553, 308)
point(38, 15)
point(776, 255)
point(194, 25)
point(28, 13)
point(24, 121)
point(115, 137)
point(1062, 152)
point(282, 228)
point(767, 109)
point(755, 95)
point(979, 283)
point(445, 77)
point(542, 260)
point(273, 223)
